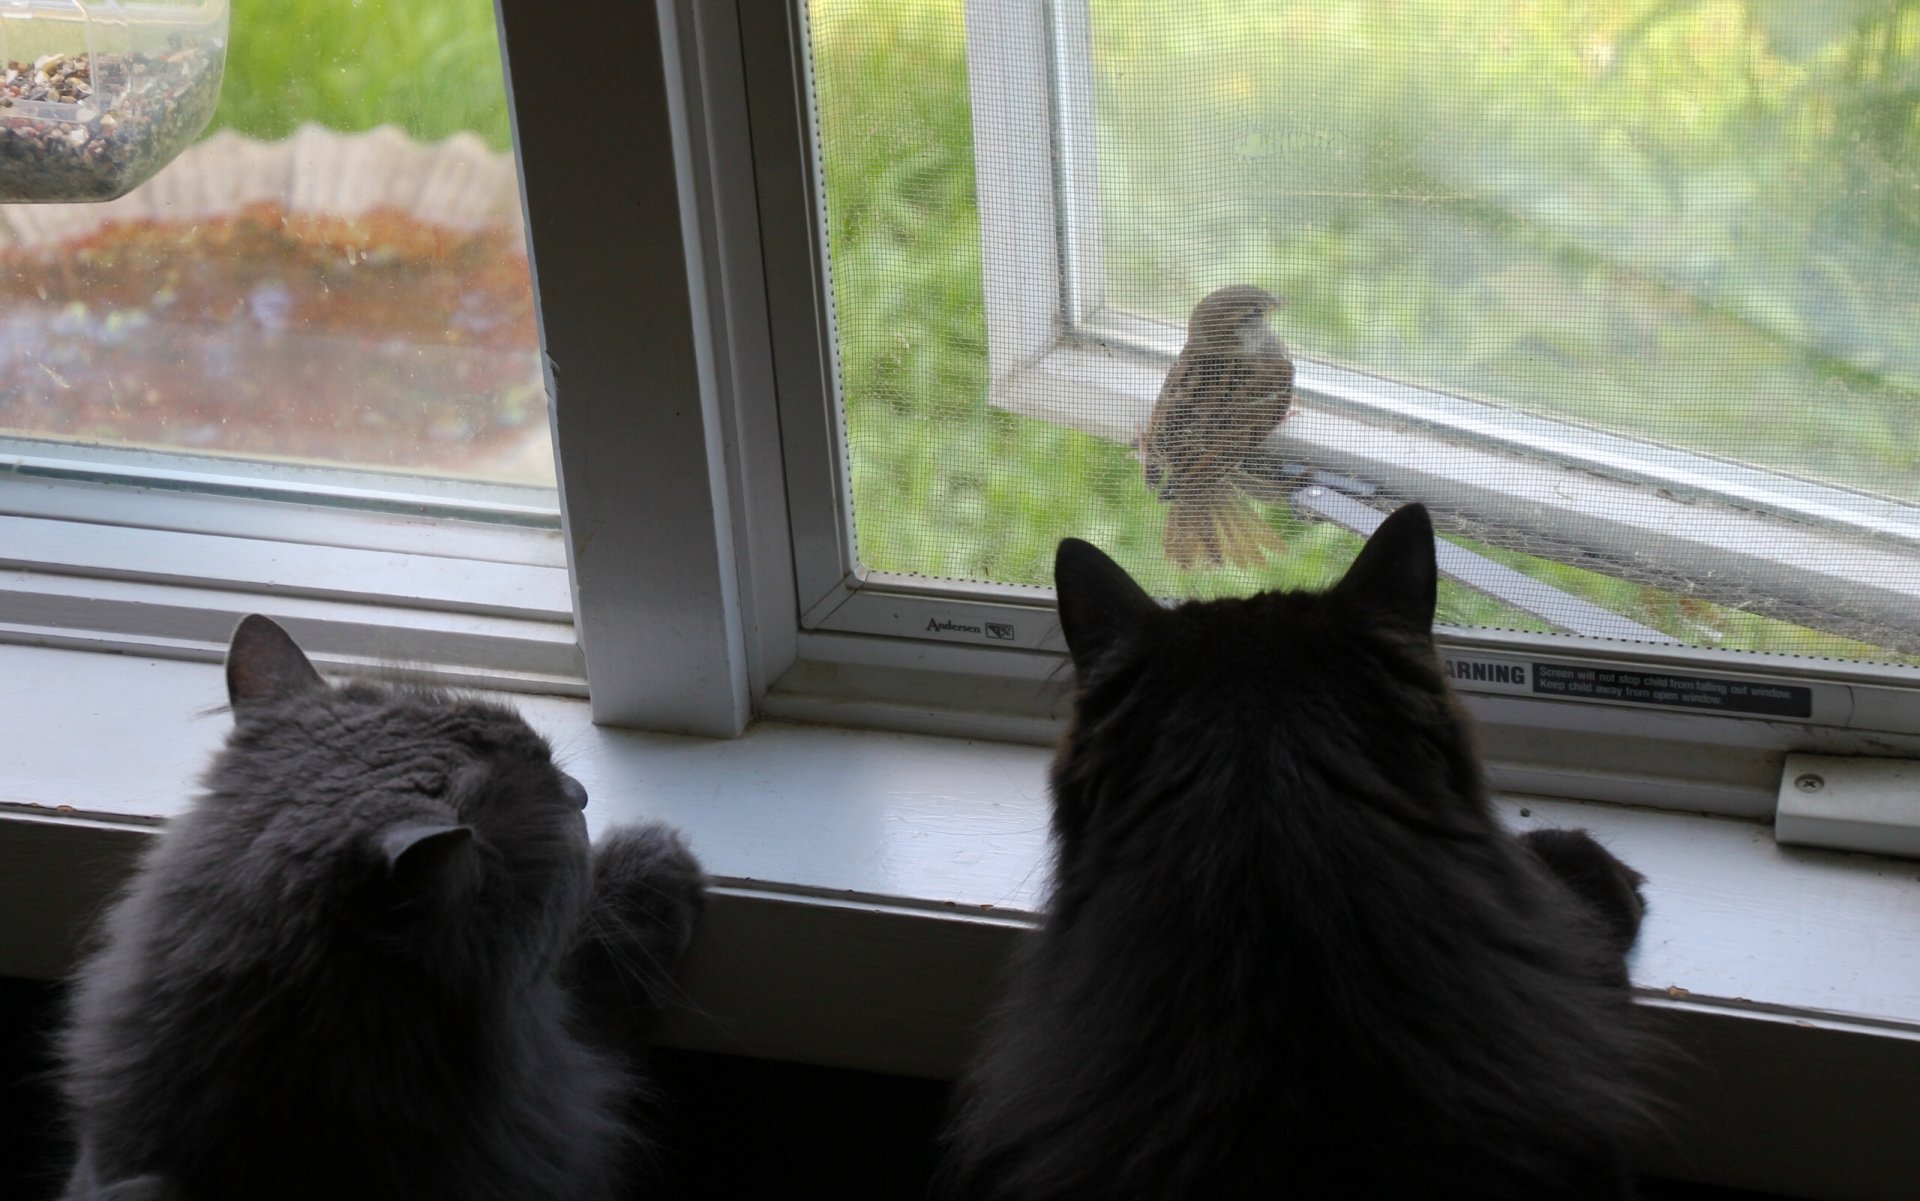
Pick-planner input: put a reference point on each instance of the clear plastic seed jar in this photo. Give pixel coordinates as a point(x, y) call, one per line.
point(97, 95)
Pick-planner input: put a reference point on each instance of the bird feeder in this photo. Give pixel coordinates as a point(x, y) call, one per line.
point(98, 95)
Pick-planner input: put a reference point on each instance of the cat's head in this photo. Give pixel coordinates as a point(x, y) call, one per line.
point(408, 820)
point(1243, 696)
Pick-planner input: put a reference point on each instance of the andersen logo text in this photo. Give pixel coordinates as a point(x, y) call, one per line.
point(999, 631)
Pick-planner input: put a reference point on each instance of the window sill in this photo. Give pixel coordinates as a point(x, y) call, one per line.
point(870, 885)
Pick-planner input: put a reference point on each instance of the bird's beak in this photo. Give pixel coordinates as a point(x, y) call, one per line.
point(1279, 302)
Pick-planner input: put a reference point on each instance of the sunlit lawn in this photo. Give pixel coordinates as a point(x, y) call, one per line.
point(431, 67)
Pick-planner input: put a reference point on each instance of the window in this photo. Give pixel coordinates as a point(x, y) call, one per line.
point(336, 276)
point(706, 569)
point(301, 361)
point(929, 279)
point(1500, 238)
point(1536, 279)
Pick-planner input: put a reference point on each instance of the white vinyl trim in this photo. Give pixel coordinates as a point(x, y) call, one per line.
point(135, 504)
point(869, 887)
point(1009, 74)
point(361, 490)
point(621, 232)
point(806, 422)
point(739, 300)
point(1833, 558)
point(816, 811)
point(1689, 475)
point(113, 564)
point(271, 567)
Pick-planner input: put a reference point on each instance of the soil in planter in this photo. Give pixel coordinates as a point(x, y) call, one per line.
point(379, 342)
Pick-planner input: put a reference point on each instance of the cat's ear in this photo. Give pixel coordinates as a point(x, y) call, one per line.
point(1395, 574)
point(430, 861)
point(1100, 605)
point(263, 664)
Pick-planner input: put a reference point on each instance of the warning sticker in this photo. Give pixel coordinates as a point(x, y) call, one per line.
point(1480, 674)
point(1666, 688)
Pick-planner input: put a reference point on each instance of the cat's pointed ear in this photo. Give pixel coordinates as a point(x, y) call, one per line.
point(430, 860)
point(1395, 574)
point(1100, 605)
point(263, 664)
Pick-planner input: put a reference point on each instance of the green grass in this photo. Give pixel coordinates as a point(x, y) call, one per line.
point(945, 485)
point(431, 67)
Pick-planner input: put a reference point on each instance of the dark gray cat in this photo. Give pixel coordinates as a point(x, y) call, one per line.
point(1291, 952)
point(376, 960)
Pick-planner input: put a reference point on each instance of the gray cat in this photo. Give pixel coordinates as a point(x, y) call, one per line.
point(376, 960)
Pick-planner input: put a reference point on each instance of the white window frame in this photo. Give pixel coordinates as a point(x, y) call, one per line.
point(740, 474)
point(873, 648)
point(144, 553)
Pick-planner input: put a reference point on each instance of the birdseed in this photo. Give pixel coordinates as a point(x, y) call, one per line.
point(58, 142)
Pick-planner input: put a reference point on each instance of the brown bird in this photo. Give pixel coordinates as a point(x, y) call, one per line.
point(1231, 385)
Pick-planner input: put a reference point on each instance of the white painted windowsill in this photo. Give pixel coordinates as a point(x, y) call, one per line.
point(869, 885)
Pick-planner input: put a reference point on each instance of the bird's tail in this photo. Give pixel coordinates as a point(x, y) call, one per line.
point(1220, 527)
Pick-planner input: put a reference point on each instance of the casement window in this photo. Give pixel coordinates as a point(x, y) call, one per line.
point(848, 311)
point(1602, 289)
point(938, 261)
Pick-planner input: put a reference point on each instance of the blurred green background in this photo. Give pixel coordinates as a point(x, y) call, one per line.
point(431, 67)
point(1703, 213)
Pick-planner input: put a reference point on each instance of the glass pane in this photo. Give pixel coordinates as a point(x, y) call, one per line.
point(1692, 225)
point(335, 274)
point(1695, 221)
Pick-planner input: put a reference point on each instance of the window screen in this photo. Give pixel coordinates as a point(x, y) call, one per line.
point(1626, 292)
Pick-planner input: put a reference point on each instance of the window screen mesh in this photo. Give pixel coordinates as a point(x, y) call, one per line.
point(1665, 253)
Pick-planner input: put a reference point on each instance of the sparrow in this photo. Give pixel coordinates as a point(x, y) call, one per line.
point(1230, 387)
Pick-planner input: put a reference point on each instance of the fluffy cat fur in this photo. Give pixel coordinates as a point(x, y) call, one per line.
point(376, 960)
point(1290, 951)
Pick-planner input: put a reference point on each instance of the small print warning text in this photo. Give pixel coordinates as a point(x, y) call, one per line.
point(1685, 692)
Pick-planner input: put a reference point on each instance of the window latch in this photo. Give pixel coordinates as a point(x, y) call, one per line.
point(1850, 804)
